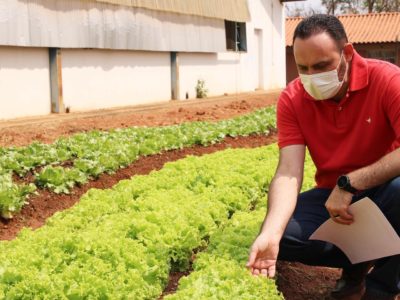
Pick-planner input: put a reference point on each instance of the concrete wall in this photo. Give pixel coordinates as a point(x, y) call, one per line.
point(268, 16)
point(24, 82)
point(262, 66)
point(94, 79)
point(220, 71)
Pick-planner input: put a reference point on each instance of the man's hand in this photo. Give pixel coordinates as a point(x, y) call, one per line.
point(263, 256)
point(338, 206)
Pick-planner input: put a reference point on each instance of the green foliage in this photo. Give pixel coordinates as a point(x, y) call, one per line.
point(121, 243)
point(220, 273)
point(358, 6)
point(60, 179)
point(96, 152)
point(201, 90)
point(224, 279)
point(21, 160)
point(309, 173)
point(93, 153)
point(13, 196)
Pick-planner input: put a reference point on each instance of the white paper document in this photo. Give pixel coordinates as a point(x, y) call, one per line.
point(369, 237)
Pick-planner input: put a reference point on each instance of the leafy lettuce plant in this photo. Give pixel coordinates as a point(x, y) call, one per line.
point(121, 243)
point(13, 196)
point(60, 179)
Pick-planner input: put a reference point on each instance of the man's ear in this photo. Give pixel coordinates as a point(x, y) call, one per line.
point(348, 51)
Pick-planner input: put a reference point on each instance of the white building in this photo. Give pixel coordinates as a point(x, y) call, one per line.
point(92, 54)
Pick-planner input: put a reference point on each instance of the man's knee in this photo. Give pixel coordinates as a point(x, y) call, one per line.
point(292, 248)
point(312, 252)
point(296, 246)
point(308, 252)
point(388, 200)
point(388, 195)
point(393, 187)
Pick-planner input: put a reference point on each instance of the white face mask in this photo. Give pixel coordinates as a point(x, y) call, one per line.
point(322, 86)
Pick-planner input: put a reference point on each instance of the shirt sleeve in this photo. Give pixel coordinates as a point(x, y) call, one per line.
point(289, 132)
point(392, 103)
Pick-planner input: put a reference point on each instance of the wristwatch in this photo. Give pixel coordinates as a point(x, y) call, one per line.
point(343, 182)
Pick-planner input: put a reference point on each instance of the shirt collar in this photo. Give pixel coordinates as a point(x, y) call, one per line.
point(358, 75)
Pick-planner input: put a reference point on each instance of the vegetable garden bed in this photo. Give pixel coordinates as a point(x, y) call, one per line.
point(75, 160)
point(296, 281)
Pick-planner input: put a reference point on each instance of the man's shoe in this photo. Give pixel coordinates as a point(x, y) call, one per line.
point(346, 288)
point(352, 281)
point(371, 294)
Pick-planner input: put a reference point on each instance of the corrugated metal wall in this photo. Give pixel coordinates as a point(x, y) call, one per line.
point(233, 10)
point(89, 24)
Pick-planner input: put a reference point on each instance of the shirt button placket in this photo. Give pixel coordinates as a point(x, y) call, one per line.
point(338, 118)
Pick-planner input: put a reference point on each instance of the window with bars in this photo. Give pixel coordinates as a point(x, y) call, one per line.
point(235, 33)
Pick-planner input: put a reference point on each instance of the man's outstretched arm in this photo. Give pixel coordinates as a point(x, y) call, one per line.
point(282, 197)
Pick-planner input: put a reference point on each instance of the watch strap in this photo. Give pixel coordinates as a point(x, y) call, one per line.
point(343, 183)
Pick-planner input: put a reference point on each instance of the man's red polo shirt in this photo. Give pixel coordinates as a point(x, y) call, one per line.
point(345, 136)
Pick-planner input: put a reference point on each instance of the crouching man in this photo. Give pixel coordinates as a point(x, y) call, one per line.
point(346, 110)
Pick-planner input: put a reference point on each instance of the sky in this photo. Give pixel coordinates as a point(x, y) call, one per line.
point(316, 4)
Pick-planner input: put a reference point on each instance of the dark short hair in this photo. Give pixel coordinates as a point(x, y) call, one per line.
point(320, 23)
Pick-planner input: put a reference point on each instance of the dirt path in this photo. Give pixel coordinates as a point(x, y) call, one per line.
point(46, 129)
point(296, 281)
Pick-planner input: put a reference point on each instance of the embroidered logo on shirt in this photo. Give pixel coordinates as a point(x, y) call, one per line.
point(369, 120)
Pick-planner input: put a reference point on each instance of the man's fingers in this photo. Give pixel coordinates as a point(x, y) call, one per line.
point(259, 272)
point(340, 220)
point(271, 271)
point(267, 272)
point(343, 218)
point(334, 216)
point(343, 215)
point(264, 264)
point(252, 258)
point(346, 215)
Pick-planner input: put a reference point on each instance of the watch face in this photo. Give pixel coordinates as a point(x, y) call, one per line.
point(342, 181)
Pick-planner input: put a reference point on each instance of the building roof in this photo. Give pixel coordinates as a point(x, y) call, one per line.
point(361, 29)
point(233, 10)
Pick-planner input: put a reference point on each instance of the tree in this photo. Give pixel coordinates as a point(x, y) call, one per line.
point(358, 6)
point(342, 6)
point(331, 5)
point(351, 6)
point(300, 10)
point(383, 5)
point(370, 5)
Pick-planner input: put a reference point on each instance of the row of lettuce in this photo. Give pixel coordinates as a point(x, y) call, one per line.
point(219, 272)
point(123, 242)
point(84, 156)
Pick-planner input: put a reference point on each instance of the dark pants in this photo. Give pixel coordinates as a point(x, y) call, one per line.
point(310, 213)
